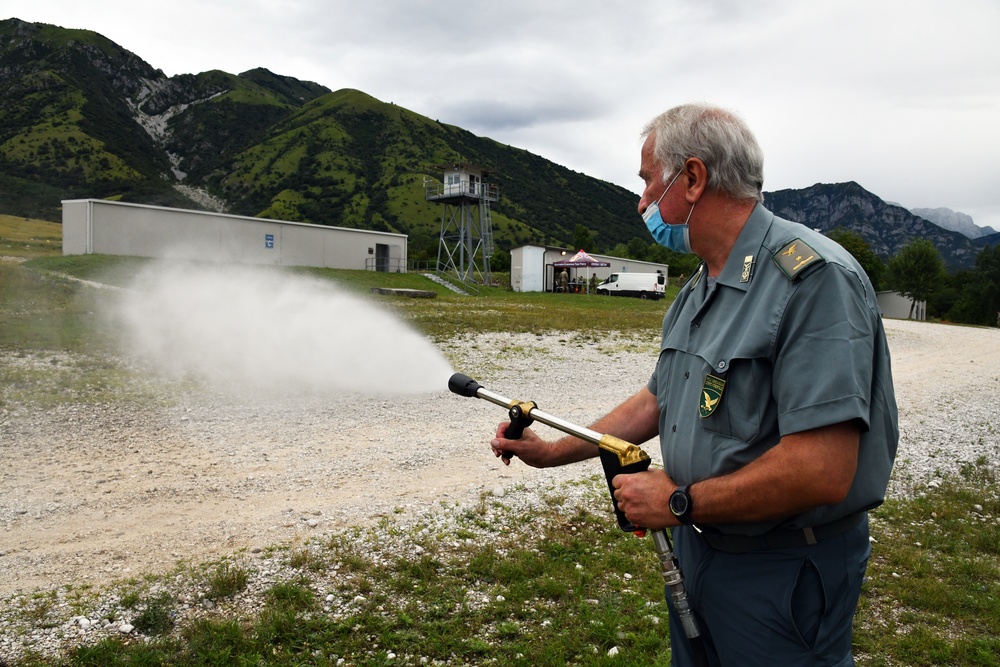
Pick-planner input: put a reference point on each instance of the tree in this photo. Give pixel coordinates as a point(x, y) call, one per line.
point(988, 268)
point(638, 248)
point(583, 239)
point(977, 295)
point(620, 250)
point(949, 302)
point(917, 271)
point(681, 264)
point(855, 244)
point(500, 261)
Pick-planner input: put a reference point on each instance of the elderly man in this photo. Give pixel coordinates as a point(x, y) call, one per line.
point(772, 397)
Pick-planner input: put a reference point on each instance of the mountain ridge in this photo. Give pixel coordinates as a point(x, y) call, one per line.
point(83, 117)
point(886, 227)
point(954, 221)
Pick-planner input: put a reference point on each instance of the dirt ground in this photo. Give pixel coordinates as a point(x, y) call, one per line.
point(96, 493)
point(91, 494)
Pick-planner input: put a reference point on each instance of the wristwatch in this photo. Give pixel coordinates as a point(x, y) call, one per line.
point(680, 505)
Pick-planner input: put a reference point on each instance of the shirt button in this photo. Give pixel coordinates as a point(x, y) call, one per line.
point(721, 365)
point(697, 324)
point(686, 375)
point(674, 429)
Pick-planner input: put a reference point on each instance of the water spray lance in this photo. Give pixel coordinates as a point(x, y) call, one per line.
point(618, 457)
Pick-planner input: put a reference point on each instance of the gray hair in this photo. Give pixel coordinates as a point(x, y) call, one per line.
point(719, 138)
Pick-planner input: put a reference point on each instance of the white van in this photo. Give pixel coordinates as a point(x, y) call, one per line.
point(642, 285)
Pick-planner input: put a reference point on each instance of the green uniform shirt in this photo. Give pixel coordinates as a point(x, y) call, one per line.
point(788, 338)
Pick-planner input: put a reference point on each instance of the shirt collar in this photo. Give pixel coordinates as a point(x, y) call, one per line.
point(748, 250)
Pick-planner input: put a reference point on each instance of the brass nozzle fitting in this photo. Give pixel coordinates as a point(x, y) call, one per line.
point(626, 452)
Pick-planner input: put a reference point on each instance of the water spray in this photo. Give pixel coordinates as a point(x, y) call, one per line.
point(261, 331)
point(618, 457)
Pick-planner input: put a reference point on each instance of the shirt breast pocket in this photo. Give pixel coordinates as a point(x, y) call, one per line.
point(735, 403)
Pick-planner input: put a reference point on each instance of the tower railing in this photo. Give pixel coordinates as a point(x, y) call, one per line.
point(437, 190)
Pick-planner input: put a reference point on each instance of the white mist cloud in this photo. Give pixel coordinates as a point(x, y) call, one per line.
point(246, 328)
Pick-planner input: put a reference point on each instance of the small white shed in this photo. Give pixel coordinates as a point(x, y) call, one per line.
point(895, 306)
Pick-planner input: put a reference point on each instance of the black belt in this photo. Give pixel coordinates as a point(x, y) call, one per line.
point(779, 538)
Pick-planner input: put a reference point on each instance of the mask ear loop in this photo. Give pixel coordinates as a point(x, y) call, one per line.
point(688, 219)
point(667, 189)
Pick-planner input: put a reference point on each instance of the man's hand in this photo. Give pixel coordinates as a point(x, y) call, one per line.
point(539, 453)
point(529, 447)
point(644, 496)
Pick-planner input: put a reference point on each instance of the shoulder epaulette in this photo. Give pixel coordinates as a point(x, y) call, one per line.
point(794, 257)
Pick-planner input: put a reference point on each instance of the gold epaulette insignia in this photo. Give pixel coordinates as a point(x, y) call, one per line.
point(794, 257)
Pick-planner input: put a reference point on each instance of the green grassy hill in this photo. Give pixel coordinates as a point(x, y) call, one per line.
point(82, 117)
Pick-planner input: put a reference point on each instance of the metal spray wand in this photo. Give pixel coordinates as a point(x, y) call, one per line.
point(617, 457)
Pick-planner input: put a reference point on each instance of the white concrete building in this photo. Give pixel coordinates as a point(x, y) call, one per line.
point(897, 307)
point(96, 226)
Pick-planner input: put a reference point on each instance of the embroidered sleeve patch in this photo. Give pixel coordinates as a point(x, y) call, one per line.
point(794, 257)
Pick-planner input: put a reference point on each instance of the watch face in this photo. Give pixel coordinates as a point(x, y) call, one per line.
point(678, 503)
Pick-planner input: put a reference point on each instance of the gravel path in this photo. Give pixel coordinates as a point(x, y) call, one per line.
point(96, 494)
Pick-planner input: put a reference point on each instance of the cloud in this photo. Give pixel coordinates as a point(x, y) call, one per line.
point(899, 95)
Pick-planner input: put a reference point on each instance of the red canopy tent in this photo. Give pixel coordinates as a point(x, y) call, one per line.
point(580, 259)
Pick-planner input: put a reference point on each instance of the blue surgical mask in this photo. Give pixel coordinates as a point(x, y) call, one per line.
point(672, 237)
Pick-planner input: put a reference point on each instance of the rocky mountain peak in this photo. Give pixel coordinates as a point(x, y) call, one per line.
point(954, 221)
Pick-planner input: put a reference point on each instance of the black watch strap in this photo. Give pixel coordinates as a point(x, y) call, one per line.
point(680, 505)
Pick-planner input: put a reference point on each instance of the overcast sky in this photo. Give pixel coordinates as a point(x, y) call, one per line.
point(901, 96)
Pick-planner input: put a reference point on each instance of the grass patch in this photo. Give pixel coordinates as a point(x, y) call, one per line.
point(25, 237)
point(291, 596)
point(157, 616)
point(932, 595)
point(43, 312)
point(226, 580)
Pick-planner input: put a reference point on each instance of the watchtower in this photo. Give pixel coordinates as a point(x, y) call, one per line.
point(466, 243)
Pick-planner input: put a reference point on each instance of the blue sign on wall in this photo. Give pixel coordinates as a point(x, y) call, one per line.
point(268, 240)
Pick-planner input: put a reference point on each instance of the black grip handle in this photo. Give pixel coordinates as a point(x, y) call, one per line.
point(514, 431)
point(612, 467)
point(518, 422)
